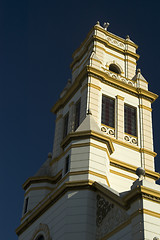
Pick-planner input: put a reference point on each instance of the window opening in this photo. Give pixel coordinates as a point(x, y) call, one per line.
point(65, 130)
point(26, 205)
point(108, 105)
point(77, 114)
point(40, 237)
point(114, 68)
point(130, 120)
point(67, 164)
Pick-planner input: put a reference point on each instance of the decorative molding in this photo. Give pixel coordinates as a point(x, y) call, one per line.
point(114, 55)
point(89, 135)
point(42, 229)
point(145, 107)
point(84, 45)
point(104, 77)
point(50, 199)
point(120, 97)
point(109, 217)
point(131, 168)
point(90, 172)
point(103, 208)
point(130, 139)
point(116, 48)
point(115, 162)
point(38, 188)
point(139, 92)
point(94, 86)
point(38, 179)
point(108, 131)
point(115, 42)
point(123, 175)
point(118, 77)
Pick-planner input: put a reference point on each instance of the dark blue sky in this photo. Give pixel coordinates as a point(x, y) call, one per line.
point(37, 39)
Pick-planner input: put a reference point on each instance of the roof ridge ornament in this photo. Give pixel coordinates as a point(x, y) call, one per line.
point(128, 37)
point(140, 172)
point(89, 112)
point(105, 25)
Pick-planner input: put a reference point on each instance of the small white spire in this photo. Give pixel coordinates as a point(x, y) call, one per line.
point(89, 112)
point(105, 25)
point(140, 172)
point(138, 70)
point(97, 23)
point(127, 37)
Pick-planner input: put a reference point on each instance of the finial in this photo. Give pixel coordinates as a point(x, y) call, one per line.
point(105, 25)
point(140, 172)
point(89, 112)
point(138, 70)
point(127, 37)
point(97, 23)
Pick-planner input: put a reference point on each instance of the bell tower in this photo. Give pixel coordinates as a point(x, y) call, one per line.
point(88, 187)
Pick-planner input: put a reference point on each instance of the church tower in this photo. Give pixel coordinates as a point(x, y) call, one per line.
point(88, 187)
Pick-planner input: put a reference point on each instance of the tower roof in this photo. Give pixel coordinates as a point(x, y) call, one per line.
point(89, 124)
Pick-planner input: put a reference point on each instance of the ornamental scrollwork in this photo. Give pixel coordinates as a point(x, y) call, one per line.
point(108, 131)
point(130, 139)
point(103, 208)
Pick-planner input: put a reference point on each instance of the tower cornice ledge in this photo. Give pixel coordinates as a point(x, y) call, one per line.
point(92, 35)
point(117, 83)
point(102, 76)
point(88, 134)
point(40, 179)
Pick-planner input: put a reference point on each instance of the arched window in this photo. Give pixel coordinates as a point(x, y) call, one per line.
point(41, 232)
point(114, 68)
point(40, 237)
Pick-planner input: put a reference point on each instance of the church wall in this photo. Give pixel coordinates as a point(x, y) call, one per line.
point(72, 215)
point(121, 180)
point(36, 193)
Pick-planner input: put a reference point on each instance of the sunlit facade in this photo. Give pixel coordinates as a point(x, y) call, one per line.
point(88, 187)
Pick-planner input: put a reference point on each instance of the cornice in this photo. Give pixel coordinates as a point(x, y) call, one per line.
point(139, 92)
point(142, 192)
point(103, 77)
point(131, 168)
point(145, 107)
point(118, 49)
point(88, 134)
point(91, 36)
point(115, 162)
point(41, 179)
point(38, 188)
point(122, 40)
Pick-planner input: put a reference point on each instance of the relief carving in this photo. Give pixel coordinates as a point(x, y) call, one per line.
point(109, 217)
point(103, 207)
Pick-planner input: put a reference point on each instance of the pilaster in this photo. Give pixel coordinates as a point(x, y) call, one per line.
point(119, 117)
